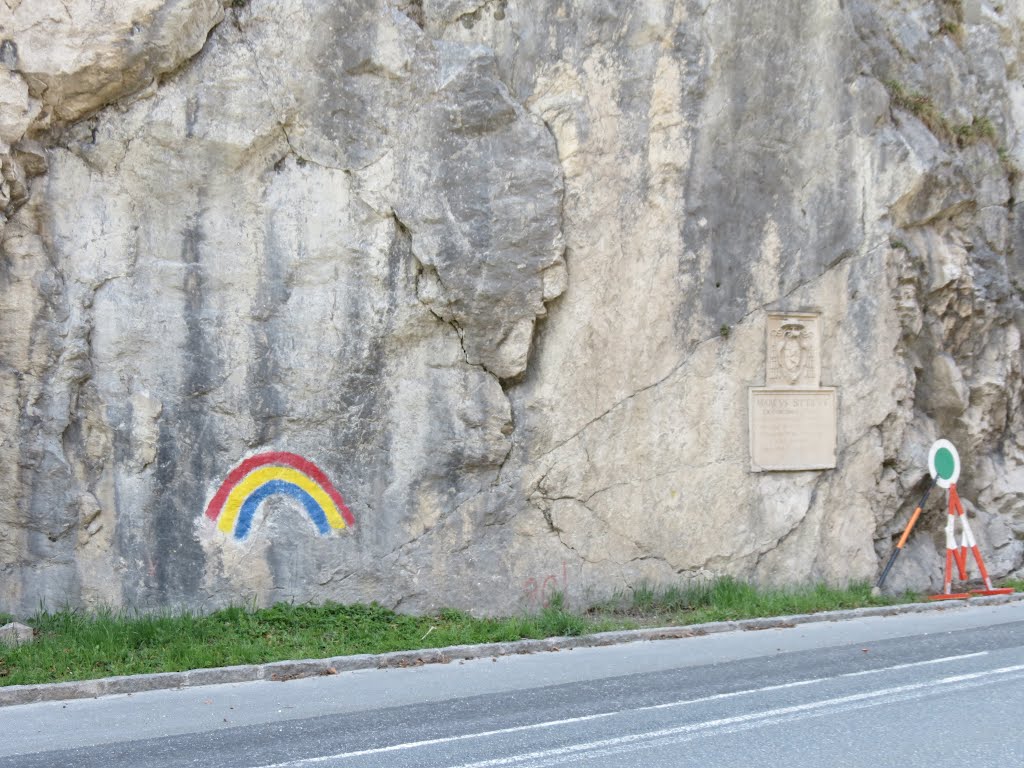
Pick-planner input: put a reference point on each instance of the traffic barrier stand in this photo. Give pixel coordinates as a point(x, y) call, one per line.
point(958, 554)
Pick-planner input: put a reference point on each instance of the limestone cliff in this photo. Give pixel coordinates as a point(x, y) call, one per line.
point(499, 270)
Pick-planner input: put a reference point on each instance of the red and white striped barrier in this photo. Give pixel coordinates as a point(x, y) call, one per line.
point(944, 468)
point(958, 554)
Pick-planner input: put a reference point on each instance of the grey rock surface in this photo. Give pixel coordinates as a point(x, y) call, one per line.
point(501, 271)
point(14, 634)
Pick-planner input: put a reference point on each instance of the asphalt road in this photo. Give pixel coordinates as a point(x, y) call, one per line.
point(913, 690)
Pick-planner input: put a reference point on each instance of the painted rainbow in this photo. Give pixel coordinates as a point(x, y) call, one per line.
point(259, 477)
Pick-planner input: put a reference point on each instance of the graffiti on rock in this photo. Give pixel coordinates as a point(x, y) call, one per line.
point(234, 505)
point(540, 591)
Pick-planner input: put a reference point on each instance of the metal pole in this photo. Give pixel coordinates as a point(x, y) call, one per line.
point(903, 539)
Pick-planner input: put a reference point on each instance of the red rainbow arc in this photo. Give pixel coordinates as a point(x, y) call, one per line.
point(248, 485)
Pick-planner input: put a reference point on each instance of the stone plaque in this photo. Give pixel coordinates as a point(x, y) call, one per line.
point(793, 350)
point(792, 429)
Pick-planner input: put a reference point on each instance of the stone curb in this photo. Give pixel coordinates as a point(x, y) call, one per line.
point(293, 670)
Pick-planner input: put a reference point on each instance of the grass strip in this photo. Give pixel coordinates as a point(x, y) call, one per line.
point(729, 599)
point(74, 645)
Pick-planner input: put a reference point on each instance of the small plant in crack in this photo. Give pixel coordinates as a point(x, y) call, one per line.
point(919, 105)
point(923, 108)
point(979, 129)
point(951, 13)
point(953, 29)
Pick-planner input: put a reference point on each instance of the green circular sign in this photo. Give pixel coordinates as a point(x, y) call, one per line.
point(944, 463)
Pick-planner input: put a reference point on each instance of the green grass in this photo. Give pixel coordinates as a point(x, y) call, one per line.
point(73, 645)
point(729, 599)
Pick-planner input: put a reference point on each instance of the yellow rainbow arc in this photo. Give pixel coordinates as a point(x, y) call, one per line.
point(255, 479)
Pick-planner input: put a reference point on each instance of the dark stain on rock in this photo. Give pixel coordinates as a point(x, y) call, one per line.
point(191, 115)
point(50, 538)
point(361, 402)
point(186, 450)
point(9, 54)
point(353, 86)
point(752, 168)
point(268, 405)
point(47, 503)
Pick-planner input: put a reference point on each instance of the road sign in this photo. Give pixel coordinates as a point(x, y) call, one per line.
point(944, 463)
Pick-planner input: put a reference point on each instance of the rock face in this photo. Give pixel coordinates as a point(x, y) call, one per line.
point(15, 634)
point(500, 271)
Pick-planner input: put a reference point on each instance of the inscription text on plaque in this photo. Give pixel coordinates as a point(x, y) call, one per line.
point(792, 429)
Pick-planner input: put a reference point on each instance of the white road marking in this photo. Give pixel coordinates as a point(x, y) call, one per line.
point(942, 660)
point(310, 761)
point(682, 733)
